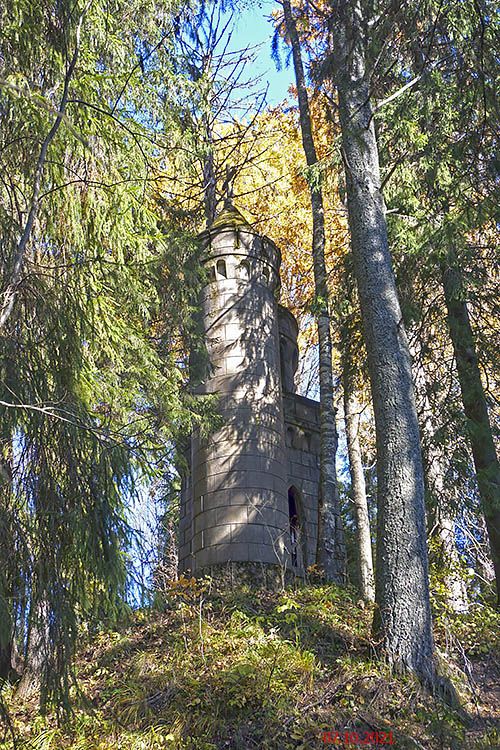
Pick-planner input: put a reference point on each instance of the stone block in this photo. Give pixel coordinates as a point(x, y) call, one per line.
point(217, 535)
point(239, 533)
point(237, 497)
point(245, 442)
point(205, 520)
point(298, 471)
point(213, 500)
point(234, 552)
point(310, 509)
point(241, 479)
point(267, 516)
point(233, 331)
point(197, 505)
point(304, 458)
point(253, 533)
point(246, 461)
point(231, 514)
point(198, 542)
point(200, 487)
point(206, 556)
point(308, 487)
point(233, 364)
point(264, 553)
point(250, 496)
point(312, 525)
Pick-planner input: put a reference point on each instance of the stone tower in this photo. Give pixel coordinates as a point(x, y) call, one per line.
point(242, 501)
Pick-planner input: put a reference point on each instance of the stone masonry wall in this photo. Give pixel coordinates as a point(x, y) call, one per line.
point(302, 441)
point(236, 508)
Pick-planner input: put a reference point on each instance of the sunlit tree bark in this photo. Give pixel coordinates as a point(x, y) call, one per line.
point(358, 486)
point(403, 617)
point(331, 553)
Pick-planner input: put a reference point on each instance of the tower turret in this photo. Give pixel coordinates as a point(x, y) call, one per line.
point(236, 505)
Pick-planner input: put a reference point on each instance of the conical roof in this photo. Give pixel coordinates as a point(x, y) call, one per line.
point(230, 216)
point(231, 219)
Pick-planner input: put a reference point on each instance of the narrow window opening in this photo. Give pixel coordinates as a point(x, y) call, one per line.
point(221, 268)
point(211, 273)
point(265, 276)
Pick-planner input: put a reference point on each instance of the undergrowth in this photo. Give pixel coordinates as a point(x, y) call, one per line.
point(249, 669)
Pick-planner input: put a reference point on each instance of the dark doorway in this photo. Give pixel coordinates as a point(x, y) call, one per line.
point(293, 517)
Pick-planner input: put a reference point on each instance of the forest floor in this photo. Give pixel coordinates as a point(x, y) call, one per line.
point(248, 669)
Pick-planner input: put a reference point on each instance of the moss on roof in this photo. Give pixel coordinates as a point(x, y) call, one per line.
point(230, 216)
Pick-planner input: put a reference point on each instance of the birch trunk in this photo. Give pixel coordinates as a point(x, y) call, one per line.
point(331, 553)
point(364, 542)
point(474, 401)
point(403, 617)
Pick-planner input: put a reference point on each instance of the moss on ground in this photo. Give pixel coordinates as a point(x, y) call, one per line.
point(249, 669)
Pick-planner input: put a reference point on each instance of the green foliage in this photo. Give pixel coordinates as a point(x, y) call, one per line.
point(437, 143)
point(476, 632)
point(93, 369)
point(248, 667)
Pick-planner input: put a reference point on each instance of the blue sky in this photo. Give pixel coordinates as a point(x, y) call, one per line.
point(253, 27)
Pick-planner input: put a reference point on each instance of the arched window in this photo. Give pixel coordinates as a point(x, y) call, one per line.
point(211, 273)
point(221, 268)
point(244, 270)
point(265, 276)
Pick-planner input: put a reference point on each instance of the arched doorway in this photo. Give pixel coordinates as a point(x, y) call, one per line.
point(296, 527)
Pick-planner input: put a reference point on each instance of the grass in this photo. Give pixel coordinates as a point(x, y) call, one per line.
point(247, 669)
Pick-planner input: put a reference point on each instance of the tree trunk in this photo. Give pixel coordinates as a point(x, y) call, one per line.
point(7, 643)
point(403, 618)
point(331, 553)
point(364, 542)
point(439, 498)
point(209, 180)
point(37, 652)
point(5, 660)
point(474, 401)
point(456, 591)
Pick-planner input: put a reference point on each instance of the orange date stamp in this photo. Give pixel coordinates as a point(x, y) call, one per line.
point(357, 739)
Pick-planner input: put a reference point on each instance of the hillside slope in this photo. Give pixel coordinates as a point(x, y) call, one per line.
point(255, 669)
